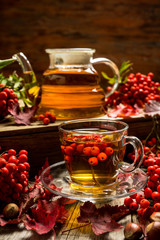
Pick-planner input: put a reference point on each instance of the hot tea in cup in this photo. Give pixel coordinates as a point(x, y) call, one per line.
point(94, 152)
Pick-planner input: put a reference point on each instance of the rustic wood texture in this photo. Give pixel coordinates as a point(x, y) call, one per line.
point(120, 30)
point(83, 233)
point(42, 141)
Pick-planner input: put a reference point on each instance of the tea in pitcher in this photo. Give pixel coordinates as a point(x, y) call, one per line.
point(71, 86)
point(72, 94)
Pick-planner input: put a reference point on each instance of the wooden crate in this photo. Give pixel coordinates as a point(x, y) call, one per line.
point(43, 141)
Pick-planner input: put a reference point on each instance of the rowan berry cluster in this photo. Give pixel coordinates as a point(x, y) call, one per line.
point(94, 152)
point(14, 173)
point(151, 194)
point(47, 118)
point(7, 98)
point(139, 89)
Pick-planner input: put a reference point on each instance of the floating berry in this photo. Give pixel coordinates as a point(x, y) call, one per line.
point(102, 156)
point(68, 158)
point(87, 151)
point(93, 161)
point(68, 150)
point(80, 147)
point(109, 150)
point(95, 150)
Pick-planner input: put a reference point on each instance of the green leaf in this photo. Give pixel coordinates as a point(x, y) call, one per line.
point(4, 63)
point(125, 66)
point(110, 80)
point(123, 71)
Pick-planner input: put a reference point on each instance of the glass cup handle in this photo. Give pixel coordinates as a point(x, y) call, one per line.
point(138, 149)
point(114, 69)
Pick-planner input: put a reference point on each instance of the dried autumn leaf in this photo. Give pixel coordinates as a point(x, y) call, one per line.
point(152, 108)
point(43, 218)
point(124, 111)
point(103, 219)
point(22, 117)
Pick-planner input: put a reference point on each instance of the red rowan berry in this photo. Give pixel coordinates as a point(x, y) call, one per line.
point(133, 195)
point(139, 197)
point(11, 152)
point(21, 167)
point(18, 187)
point(157, 207)
point(12, 167)
point(109, 150)
point(68, 158)
point(68, 150)
point(80, 147)
point(46, 121)
point(41, 117)
point(93, 161)
point(156, 196)
point(133, 206)
point(144, 203)
point(95, 150)
point(87, 151)
point(102, 156)
point(128, 201)
point(2, 162)
point(4, 171)
point(23, 152)
point(13, 159)
point(148, 192)
point(22, 158)
point(154, 177)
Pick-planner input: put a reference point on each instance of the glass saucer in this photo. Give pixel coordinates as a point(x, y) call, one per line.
point(58, 176)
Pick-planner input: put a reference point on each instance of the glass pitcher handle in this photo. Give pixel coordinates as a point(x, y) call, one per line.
point(114, 69)
point(139, 153)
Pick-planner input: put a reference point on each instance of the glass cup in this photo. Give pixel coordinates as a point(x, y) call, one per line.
point(94, 153)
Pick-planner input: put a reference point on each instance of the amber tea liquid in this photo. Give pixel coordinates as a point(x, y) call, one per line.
point(72, 94)
point(77, 162)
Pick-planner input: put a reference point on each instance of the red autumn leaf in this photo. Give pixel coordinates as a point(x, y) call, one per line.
point(22, 117)
point(103, 219)
point(4, 222)
point(152, 108)
point(124, 111)
point(43, 218)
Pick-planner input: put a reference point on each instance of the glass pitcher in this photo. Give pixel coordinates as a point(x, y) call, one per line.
point(70, 88)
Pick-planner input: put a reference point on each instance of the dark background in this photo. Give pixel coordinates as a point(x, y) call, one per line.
point(118, 29)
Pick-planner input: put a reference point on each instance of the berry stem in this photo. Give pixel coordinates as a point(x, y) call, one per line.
point(93, 175)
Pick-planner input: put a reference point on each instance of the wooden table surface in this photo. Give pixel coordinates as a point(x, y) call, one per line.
point(18, 232)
